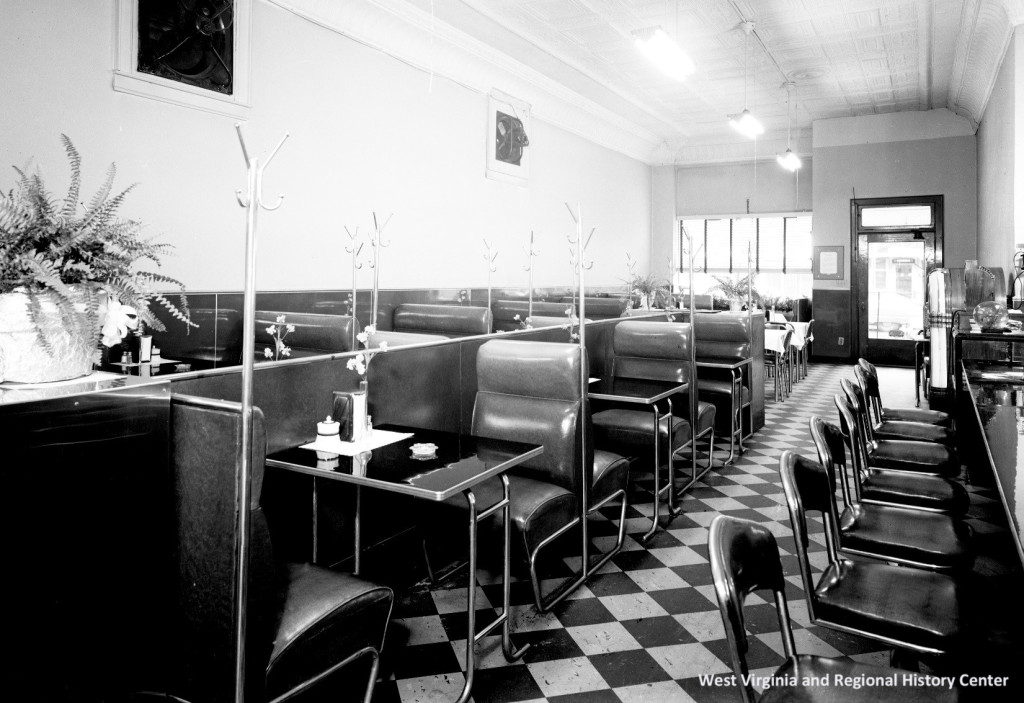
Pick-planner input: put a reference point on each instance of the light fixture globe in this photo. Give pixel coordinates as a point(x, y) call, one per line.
point(789, 160)
point(664, 53)
point(746, 124)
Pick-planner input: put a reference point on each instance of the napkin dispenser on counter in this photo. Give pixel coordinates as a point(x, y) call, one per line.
point(349, 409)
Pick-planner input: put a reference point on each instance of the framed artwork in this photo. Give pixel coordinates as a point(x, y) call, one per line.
point(508, 140)
point(188, 52)
point(828, 264)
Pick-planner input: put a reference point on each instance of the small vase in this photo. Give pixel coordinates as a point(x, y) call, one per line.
point(360, 403)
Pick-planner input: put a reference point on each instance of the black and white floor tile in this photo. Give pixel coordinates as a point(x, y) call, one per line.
point(647, 627)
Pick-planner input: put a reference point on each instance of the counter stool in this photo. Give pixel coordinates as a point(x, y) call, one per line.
point(895, 454)
point(895, 429)
point(879, 413)
point(909, 609)
point(878, 486)
point(745, 558)
point(897, 534)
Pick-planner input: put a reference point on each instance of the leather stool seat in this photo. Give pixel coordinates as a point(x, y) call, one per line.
point(705, 416)
point(904, 534)
point(715, 386)
point(929, 417)
point(915, 431)
point(920, 457)
point(915, 490)
point(804, 667)
point(619, 426)
point(328, 615)
point(906, 605)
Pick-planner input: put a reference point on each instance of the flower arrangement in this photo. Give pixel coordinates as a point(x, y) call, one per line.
point(78, 264)
point(655, 290)
point(278, 331)
point(735, 289)
point(361, 361)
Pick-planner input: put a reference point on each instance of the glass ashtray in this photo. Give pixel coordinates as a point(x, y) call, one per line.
point(424, 450)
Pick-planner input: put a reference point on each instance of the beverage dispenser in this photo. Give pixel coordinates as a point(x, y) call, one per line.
point(945, 295)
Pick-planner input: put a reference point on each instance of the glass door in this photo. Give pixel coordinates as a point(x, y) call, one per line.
point(898, 243)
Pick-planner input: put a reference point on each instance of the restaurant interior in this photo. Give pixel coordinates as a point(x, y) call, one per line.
point(403, 351)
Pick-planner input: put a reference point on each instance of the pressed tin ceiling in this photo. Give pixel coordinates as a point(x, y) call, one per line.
point(846, 58)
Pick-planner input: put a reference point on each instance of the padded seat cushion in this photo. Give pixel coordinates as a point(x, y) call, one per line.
point(804, 666)
point(623, 427)
point(908, 605)
point(705, 416)
point(920, 457)
point(915, 490)
point(328, 616)
point(611, 473)
point(915, 431)
point(715, 386)
point(930, 417)
point(907, 534)
point(536, 508)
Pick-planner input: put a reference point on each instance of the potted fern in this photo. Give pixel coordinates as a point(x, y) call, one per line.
point(734, 290)
point(69, 277)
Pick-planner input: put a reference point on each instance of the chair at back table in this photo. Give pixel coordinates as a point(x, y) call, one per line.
point(530, 392)
point(655, 351)
point(745, 558)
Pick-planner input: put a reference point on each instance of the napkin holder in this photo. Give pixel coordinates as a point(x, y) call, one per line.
point(349, 409)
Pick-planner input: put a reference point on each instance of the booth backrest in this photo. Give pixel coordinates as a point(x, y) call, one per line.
point(651, 350)
point(314, 333)
point(723, 336)
point(447, 320)
point(530, 392)
point(206, 444)
point(600, 308)
point(217, 339)
point(505, 312)
point(402, 339)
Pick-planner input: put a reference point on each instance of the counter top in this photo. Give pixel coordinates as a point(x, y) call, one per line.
point(96, 382)
point(997, 395)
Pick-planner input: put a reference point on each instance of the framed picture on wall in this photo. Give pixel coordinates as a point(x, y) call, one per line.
point(508, 141)
point(187, 52)
point(828, 264)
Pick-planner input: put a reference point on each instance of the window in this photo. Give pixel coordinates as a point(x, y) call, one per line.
point(779, 247)
point(899, 216)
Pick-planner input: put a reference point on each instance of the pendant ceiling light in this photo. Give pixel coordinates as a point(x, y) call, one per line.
point(663, 52)
point(745, 123)
point(789, 160)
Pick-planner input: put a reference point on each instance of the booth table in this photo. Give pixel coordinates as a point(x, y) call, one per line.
point(460, 463)
point(636, 391)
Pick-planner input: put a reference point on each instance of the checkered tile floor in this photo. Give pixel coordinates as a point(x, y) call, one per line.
point(648, 625)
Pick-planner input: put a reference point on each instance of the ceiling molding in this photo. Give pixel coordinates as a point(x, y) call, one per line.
point(985, 31)
point(412, 36)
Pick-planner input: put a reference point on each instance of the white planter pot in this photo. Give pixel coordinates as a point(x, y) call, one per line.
point(24, 360)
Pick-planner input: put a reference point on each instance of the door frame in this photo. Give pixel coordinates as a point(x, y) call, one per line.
point(858, 259)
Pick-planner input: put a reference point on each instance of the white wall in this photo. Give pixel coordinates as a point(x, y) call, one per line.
point(726, 189)
point(1000, 189)
point(892, 155)
point(369, 133)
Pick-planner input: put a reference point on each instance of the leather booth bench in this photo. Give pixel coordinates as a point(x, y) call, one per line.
point(505, 312)
point(446, 320)
point(600, 308)
point(314, 334)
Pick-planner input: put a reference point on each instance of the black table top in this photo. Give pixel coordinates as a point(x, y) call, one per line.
point(634, 390)
point(997, 392)
point(712, 362)
point(461, 462)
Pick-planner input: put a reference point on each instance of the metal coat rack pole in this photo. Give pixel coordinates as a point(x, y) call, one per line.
point(377, 243)
point(252, 202)
point(354, 251)
point(490, 256)
point(582, 265)
point(532, 254)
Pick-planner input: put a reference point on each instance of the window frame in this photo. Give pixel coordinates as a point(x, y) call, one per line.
point(702, 263)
